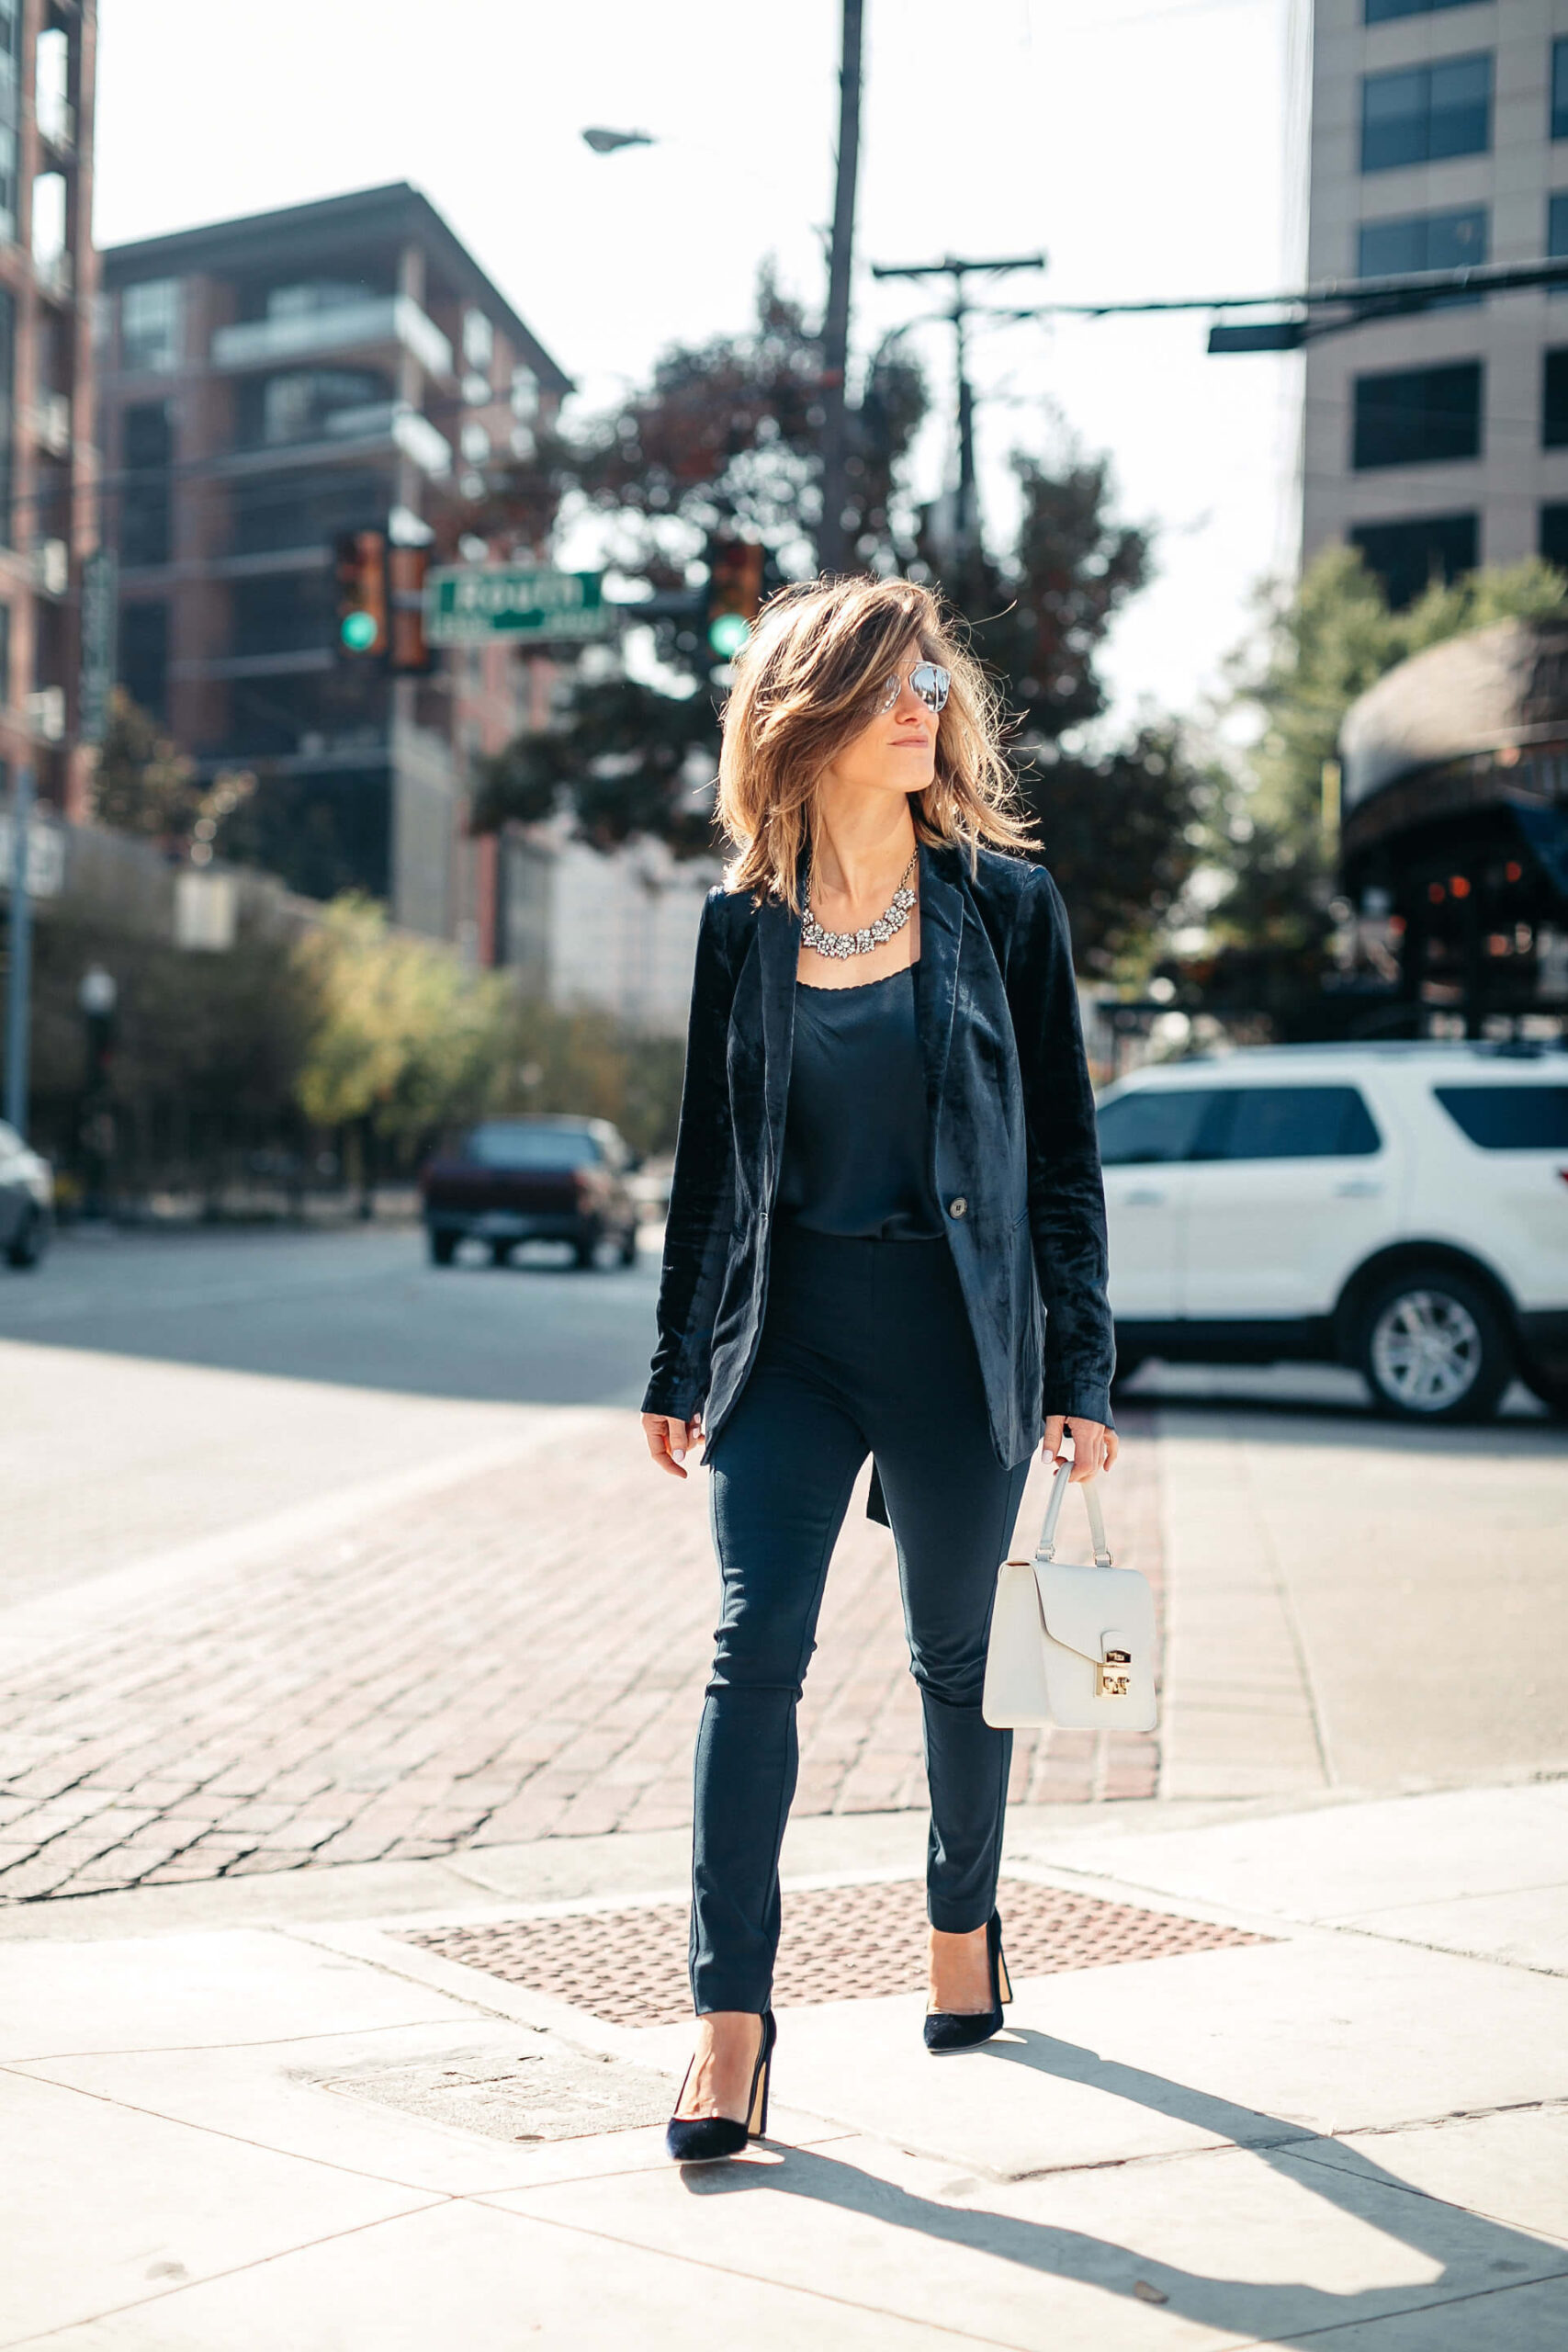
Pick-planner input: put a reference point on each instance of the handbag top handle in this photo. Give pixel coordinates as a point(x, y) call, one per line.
point(1046, 1547)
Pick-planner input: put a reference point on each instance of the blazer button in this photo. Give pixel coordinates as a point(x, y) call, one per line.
point(959, 1207)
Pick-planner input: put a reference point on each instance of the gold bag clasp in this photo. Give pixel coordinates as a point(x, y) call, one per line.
point(1113, 1675)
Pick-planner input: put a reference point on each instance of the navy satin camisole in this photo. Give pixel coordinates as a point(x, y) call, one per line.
point(855, 1132)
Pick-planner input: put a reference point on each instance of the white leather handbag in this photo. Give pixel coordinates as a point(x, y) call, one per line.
point(1070, 1646)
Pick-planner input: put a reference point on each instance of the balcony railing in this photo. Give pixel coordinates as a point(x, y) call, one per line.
point(367, 431)
point(349, 326)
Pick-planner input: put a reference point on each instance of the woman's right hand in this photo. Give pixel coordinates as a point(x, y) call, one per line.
point(669, 1441)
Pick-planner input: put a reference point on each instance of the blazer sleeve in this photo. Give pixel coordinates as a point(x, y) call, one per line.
point(1066, 1198)
point(702, 1191)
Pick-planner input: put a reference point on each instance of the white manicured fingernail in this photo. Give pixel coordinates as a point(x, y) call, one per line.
point(677, 1454)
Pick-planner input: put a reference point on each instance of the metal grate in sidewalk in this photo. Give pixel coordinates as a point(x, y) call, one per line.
point(841, 1943)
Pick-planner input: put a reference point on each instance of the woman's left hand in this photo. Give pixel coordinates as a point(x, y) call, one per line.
point(1095, 1447)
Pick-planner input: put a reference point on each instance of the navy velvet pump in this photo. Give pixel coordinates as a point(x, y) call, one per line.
point(699, 2139)
point(961, 2029)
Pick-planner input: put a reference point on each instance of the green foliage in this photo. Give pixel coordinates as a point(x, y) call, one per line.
point(621, 755)
point(1331, 637)
point(1325, 641)
point(1115, 834)
point(205, 1046)
point(580, 1060)
point(144, 783)
point(725, 437)
point(401, 1033)
point(401, 1037)
point(1056, 594)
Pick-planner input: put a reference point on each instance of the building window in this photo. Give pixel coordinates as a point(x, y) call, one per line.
point(1557, 233)
point(290, 611)
point(1425, 241)
point(1423, 113)
point(1554, 399)
point(150, 327)
point(273, 512)
point(1408, 556)
point(314, 296)
point(1384, 12)
point(478, 340)
point(1417, 416)
point(144, 656)
point(52, 84)
point(313, 404)
point(50, 225)
point(8, 184)
point(10, 51)
point(1560, 89)
point(146, 450)
point(1553, 536)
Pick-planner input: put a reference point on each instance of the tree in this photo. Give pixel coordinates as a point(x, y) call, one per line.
point(145, 785)
point(724, 438)
point(1324, 641)
point(1114, 821)
point(401, 1037)
point(1334, 635)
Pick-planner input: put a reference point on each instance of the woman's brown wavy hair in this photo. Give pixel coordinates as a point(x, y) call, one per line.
point(806, 682)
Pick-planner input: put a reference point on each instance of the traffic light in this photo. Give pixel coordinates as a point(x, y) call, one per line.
point(735, 594)
point(363, 614)
point(406, 568)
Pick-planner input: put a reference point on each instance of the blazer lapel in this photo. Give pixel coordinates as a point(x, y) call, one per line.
point(778, 951)
point(942, 930)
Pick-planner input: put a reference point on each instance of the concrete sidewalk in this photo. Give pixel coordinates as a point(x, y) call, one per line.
point(252, 2115)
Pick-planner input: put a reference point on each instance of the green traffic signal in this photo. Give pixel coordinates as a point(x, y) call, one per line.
point(358, 631)
point(727, 633)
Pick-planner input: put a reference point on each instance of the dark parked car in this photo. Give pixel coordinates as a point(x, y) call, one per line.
point(27, 1200)
point(531, 1179)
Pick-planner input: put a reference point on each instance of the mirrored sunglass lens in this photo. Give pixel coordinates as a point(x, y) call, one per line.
point(930, 683)
point(890, 692)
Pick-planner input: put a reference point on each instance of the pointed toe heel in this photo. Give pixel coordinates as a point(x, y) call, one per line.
point(948, 2029)
point(702, 2139)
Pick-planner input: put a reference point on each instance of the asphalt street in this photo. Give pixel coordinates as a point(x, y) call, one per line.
point(363, 1308)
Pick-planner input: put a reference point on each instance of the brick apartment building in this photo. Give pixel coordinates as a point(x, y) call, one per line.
point(267, 384)
point(47, 469)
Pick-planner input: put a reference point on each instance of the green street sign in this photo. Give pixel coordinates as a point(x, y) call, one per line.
point(466, 605)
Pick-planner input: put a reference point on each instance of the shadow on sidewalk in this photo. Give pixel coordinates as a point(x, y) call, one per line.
point(1463, 2244)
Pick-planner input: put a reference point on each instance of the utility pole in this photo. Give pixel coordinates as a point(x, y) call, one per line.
point(19, 944)
point(832, 549)
point(966, 533)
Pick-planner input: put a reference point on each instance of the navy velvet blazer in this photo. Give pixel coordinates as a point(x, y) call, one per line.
point(1016, 1160)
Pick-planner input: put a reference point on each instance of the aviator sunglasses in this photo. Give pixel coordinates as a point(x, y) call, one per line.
point(928, 680)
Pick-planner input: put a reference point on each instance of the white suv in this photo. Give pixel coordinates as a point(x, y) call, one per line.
point(1401, 1208)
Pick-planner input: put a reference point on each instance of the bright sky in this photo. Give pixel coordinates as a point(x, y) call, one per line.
point(1149, 147)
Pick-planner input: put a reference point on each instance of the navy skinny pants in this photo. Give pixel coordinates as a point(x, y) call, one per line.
point(866, 1348)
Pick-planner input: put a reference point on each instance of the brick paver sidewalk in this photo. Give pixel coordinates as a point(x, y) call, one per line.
point(519, 1657)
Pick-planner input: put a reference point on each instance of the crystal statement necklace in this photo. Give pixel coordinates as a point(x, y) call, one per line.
point(876, 934)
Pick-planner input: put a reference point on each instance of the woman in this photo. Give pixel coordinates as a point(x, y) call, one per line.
point(886, 1169)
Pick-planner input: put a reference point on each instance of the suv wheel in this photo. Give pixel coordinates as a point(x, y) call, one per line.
point(1433, 1348)
point(1553, 1392)
point(28, 1243)
point(442, 1248)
